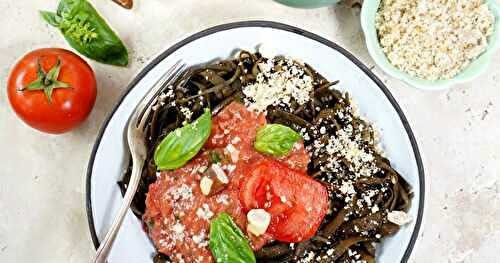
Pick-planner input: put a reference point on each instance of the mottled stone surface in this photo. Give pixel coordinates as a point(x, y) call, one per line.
point(42, 209)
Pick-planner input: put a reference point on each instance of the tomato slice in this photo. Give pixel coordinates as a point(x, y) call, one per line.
point(297, 203)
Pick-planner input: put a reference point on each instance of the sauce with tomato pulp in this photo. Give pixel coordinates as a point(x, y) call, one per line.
point(178, 213)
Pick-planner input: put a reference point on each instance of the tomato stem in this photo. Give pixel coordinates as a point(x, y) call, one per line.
point(47, 81)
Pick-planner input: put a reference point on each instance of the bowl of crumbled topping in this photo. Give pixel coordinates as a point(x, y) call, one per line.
point(432, 44)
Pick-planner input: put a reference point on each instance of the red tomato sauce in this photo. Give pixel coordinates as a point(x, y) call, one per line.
point(178, 215)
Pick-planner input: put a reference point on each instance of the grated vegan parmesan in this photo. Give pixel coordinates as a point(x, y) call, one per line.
point(433, 39)
point(204, 212)
point(278, 83)
point(186, 112)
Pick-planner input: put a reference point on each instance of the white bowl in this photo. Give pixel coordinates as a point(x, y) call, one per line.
point(376, 104)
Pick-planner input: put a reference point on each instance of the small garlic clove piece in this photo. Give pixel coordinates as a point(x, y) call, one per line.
point(258, 221)
point(399, 218)
point(232, 152)
point(214, 181)
point(219, 173)
point(206, 185)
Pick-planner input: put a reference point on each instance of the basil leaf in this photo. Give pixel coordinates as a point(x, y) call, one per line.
point(51, 18)
point(182, 144)
point(275, 139)
point(87, 32)
point(227, 242)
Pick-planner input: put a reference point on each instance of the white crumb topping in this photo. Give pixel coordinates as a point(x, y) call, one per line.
point(178, 231)
point(229, 167)
point(309, 258)
point(222, 199)
point(279, 82)
point(204, 212)
point(200, 239)
point(342, 144)
point(162, 97)
point(186, 112)
point(184, 192)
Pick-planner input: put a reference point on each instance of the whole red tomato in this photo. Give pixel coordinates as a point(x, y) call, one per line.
point(52, 90)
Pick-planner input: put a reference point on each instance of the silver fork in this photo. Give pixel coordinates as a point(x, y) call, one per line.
point(137, 145)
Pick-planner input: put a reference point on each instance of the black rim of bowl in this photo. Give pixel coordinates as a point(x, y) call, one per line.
point(279, 26)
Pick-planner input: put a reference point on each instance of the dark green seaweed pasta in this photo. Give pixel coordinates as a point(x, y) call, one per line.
point(353, 224)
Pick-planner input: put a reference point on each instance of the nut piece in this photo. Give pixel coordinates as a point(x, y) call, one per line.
point(399, 218)
point(258, 221)
point(206, 185)
point(233, 153)
point(219, 173)
point(214, 181)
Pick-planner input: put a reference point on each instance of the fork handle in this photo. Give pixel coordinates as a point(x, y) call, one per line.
point(107, 243)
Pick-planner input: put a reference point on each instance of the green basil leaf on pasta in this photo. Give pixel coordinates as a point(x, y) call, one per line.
point(276, 139)
point(182, 144)
point(228, 243)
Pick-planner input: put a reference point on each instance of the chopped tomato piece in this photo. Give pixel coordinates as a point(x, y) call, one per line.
point(298, 158)
point(297, 203)
point(235, 121)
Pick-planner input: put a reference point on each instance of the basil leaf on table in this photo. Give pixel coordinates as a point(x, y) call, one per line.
point(275, 139)
point(182, 144)
point(87, 32)
point(227, 242)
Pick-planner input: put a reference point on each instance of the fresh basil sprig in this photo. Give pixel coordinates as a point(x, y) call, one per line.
point(227, 242)
point(275, 139)
point(182, 144)
point(87, 32)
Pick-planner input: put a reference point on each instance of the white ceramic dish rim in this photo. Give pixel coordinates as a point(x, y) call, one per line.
point(278, 26)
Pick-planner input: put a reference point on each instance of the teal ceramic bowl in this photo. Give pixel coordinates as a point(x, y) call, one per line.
point(476, 68)
point(308, 3)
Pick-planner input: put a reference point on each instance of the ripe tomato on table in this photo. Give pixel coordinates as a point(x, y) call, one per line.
point(52, 90)
point(297, 203)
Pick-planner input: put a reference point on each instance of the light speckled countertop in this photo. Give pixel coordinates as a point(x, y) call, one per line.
point(42, 208)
